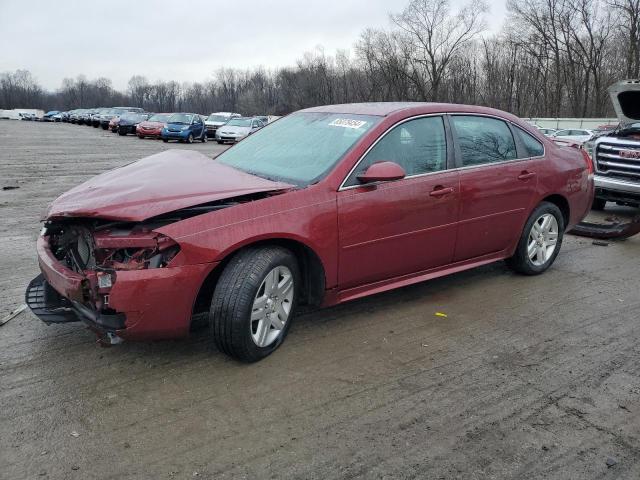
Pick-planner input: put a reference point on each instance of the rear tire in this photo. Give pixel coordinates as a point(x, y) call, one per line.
point(204, 138)
point(165, 140)
point(598, 204)
point(540, 241)
point(220, 142)
point(254, 302)
point(120, 132)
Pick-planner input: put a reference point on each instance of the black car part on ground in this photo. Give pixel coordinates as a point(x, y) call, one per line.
point(613, 231)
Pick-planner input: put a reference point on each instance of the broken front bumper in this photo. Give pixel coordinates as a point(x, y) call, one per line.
point(51, 307)
point(140, 305)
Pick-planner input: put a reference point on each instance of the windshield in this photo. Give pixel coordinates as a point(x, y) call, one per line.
point(160, 117)
point(180, 118)
point(217, 118)
point(300, 148)
point(239, 122)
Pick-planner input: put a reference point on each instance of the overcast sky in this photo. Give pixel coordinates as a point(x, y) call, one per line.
point(181, 40)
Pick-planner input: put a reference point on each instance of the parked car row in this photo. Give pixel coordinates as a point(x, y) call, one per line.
point(224, 127)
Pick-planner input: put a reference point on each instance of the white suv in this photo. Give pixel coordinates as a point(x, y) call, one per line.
point(216, 120)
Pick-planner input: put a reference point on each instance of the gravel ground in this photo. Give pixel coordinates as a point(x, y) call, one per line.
point(525, 378)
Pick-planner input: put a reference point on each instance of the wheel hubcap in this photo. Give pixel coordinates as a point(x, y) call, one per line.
point(272, 306)
point(543, 239)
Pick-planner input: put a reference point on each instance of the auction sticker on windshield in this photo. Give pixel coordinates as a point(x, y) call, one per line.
point(347, 123)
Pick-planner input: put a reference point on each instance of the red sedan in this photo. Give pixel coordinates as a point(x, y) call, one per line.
point(323, 206)
point(153, 126)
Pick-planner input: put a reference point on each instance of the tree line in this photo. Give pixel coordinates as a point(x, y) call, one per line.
point(553, 58)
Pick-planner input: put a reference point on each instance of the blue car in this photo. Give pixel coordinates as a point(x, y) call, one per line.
point(48, 117)
point(184, 127)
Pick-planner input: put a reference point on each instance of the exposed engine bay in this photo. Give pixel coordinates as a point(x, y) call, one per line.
point(83, 244)
point(89, 246)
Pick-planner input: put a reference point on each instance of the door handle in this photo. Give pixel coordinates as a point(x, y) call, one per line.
point(525, 175)
point(441, 191)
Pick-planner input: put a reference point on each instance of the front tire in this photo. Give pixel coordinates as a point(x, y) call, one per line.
point(254, 303)
point(540, 241)
point(165, 140)
point(190, 138)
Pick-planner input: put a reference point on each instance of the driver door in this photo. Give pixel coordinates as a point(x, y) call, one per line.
point(406, 226)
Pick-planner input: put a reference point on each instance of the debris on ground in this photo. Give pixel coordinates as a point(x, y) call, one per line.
point(611, 462)
point(600, 243)
point(74, 434)
point(10, 187)
point(13, 314)
point(614, 230)
point(440, 314)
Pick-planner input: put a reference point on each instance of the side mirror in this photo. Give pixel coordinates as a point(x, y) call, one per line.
point(382, 172)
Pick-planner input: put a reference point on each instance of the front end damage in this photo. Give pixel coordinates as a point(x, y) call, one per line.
point(111, 276)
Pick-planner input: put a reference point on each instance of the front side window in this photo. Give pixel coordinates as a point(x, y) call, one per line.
point(483, 140)
point(300, 148)
point(532, 146)
point(419, 146)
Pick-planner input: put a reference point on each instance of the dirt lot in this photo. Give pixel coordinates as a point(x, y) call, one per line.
point(525, 378)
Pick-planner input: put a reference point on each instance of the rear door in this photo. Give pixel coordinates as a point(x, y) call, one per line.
point(406, 226)
point(498, 180)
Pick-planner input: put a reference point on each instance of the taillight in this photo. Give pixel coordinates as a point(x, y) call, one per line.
point(588, 160)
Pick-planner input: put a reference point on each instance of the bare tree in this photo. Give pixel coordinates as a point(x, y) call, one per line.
point(630, 23)
point(435, 36)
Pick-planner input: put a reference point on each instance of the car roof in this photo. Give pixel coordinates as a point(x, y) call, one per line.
point(384, 109)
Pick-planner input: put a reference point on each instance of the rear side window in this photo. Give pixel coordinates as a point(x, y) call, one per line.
point(483, 140)
point(532, 146)
point(419, 146)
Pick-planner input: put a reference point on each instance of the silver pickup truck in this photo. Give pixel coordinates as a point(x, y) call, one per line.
point(616, 155)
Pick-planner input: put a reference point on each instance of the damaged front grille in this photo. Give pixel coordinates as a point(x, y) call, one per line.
point(73, 246)
point(98, 245)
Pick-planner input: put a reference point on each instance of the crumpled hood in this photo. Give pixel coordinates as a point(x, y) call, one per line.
point(625, 96)
point(158, 184)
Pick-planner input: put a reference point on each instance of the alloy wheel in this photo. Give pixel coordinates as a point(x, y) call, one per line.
point(272, 306)
point(543, 239)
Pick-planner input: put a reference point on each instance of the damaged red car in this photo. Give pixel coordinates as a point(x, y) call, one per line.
point(323, 206)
